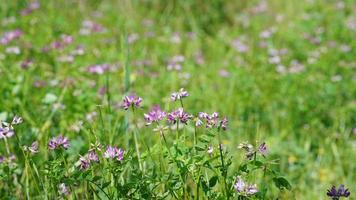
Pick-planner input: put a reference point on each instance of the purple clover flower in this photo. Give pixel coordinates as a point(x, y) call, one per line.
point(31, 7)
point(239, 185)
point(85, 161)
point(9, 36)
point(114, 152)
point(92, 156)
point(33, 148)
point(89, 27)
point(131, 100)
point(213, 120)
point(16, 120)
point(63, 189)
point(26, 64)
point(336, 194)
point(179, 95)
point(120, 155)
point(198, 122)
point(251, 189)
point(155, 115)
point(223, 123)
point(178, 115)
point(57, 142)
point(244, 189)
point(98, 69)
point(6, 132)
point(262, 149)
point(59, 44)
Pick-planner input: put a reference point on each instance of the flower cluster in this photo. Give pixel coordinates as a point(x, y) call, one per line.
point(9, 36)
point(212, 120)
point(178, 115)
point(114, 152)
point(86, 160)
point(89, 27)
point(179, 95)
point(63, 189)
point(244, 189)
point(98, 69)
point(336, 194)
point(155, 115)
point(33, 148)
point(8, 160)
point(64, 41)
point(30, 8)
point(251, 151)
point(57, 142)
point(6, 129)
point(131, 101)
point(175, 63)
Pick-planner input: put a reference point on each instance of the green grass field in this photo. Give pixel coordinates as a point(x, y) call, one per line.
point(282, 72)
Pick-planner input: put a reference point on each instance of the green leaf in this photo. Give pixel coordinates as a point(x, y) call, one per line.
point(200, 148)
point(204, 139)
point(105, 185)
point(213, 180)
point(282, 183)
point(257, 163)
point(96, 178)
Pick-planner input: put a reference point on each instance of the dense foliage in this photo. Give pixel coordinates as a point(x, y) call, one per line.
point(248, 99)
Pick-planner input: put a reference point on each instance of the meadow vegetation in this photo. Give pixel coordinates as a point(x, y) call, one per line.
point(188, 99)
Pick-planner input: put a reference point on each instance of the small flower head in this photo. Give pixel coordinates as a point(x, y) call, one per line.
point(249, 149)
point(114, 152)
point(84, 163)
point(16, 120)
point(155, 115)
point(223, 123)
point(210, 150)
point(6, 131)
point(336, 194)
point(179, 95)
point(92, 156)
point(178, 115)
point(131, 101)
point(251, 189)
point(9, 36)
point(57, 142)
point(120, 154)
point(198, 122)
point(245, 189)
point(110, 152)
point(262, 149)
point(33, 149)
point(63, 189)
point(239, 185)
point(2, 159)
point(213, 121)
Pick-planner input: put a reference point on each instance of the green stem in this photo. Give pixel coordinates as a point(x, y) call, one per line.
point(223, 170)
point(136, 141)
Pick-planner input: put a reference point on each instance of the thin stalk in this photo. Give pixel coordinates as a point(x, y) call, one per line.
point(170, 154)
point(223, 171)
point(136, 141)
point(181, 102)
point(7, 147)
point(26, 162)
point(92, 182)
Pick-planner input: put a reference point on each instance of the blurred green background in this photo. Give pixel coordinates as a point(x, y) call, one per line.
point(281, 71)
